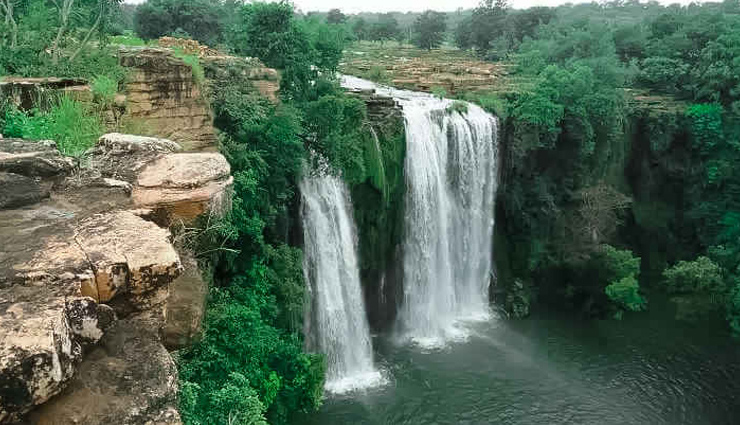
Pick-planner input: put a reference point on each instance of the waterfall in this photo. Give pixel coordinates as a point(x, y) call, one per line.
point(450, 169)
point(330, 265)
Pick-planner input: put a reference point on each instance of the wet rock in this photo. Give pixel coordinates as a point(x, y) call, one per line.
point(129, 379)
point(33, 158)
point(19, 191)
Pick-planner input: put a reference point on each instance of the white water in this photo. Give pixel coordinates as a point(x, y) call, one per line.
point(450, 170)
point(331, 269)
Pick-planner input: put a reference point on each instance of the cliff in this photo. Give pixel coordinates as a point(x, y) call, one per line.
point(87, 268)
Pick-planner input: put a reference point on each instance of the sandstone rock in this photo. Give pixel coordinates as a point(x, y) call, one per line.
point(130, 379)
point(129, 256)
point(33, 159)
point(163, 96)
point(185, 306)
point(42, 334)
point(185, 186)
point(18, 191)
point(122, 156)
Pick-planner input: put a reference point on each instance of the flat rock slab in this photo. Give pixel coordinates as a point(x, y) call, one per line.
point(33, 158)
point(184, 170)
point(18, 191)
point(122, 156)
point(129, 255)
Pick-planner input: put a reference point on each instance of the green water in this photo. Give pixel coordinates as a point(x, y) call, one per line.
point(550, 369)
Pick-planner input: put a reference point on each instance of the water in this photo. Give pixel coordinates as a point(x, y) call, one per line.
point(337, 324)
point(554, 370)
point(450, 174)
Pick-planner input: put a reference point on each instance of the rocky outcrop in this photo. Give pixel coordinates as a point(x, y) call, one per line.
point(163, 97)
point(184, 186)
point(129, 379)
point(87, 253)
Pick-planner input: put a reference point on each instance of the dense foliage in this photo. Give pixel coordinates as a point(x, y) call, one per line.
point(588, 163)
point(65, 38)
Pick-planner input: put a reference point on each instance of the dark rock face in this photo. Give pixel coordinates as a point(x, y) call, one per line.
point(18, 191)
point(33, 159)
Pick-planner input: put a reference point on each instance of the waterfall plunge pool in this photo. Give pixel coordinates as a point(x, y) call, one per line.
point(550, 369)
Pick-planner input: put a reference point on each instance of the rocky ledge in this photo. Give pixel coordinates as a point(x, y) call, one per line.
point(87, 265)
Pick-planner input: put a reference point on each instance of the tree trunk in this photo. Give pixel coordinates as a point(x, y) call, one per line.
point(64, 12)
point(89, 32)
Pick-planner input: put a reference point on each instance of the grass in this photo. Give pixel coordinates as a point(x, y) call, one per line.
point(104, 89)
point(74, 126)
point(128, 40)
point(193, 62)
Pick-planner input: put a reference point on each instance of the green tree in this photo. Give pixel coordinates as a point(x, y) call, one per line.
point(335, 16)
point(201, 19)
point(429, 29)
point(386, 28)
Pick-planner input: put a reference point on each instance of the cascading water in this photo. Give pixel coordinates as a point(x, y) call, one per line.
point(451, 162)
point(339, 322)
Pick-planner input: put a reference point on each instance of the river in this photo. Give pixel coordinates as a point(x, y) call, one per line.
point(553, 369)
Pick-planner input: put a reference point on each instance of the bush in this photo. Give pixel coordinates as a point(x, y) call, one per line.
point(626, 293)
point(620, 268)
point(439, 92)
point(698, 288)
point(104, 90)
point(192, 60)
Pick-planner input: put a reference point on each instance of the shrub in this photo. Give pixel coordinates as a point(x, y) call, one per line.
point(439, 92)
point(378, 74)
point(458, 106)
point(626, 293)
point(193, 62)
point(104, 89)
point(620, 268)
point(697, 286)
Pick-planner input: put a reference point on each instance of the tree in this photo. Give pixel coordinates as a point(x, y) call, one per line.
point(336, 16)
point(361, 29)
point(201, 19)
point(429, 29)
point(488, 23)
point(386, 28)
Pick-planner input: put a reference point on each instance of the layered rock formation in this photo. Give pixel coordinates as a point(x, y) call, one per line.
point(83, 251)
point(163, 97)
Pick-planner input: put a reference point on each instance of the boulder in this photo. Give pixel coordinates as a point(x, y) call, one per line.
point(19, 191)
point(130, 256)
point(185, 186)
point(122, 156)
point(33, 158)
point(129, 379)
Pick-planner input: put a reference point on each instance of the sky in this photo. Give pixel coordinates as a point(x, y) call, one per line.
point(354, 6)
